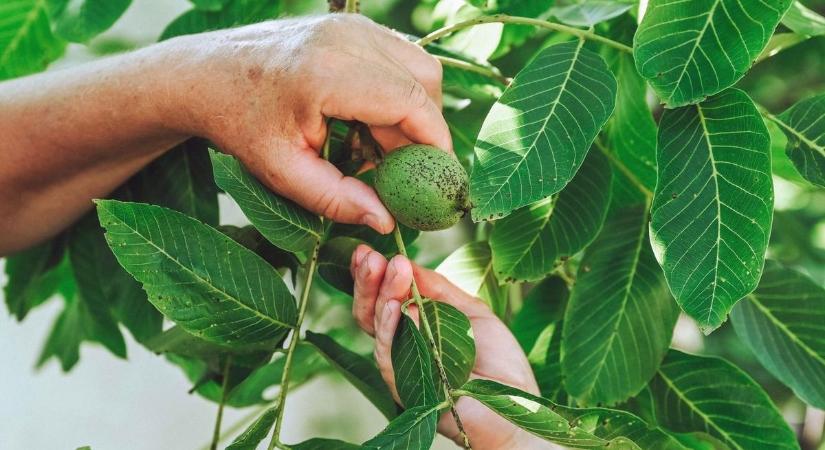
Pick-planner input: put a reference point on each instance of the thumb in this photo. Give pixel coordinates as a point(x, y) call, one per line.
point(320, 187)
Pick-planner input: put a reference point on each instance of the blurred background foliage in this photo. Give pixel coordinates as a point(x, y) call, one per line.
point(798, 238)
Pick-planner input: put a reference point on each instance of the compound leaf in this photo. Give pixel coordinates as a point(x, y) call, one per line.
point(713, 205)
point(621, 288)
point(536, 136)
point(783, 322)
point(207, 283)
point(688, 51)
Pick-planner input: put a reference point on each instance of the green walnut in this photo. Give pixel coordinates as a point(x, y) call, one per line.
point(423, 187)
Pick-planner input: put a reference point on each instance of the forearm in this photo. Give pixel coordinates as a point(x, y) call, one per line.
point(73, 135)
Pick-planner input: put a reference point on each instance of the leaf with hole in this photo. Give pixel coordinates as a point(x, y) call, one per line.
point(783, 322)
point(204, 281)
point(688, 51)
point(537, 134)
point(713, 205)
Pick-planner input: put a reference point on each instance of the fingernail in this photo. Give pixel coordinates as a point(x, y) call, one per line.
point(392, 272)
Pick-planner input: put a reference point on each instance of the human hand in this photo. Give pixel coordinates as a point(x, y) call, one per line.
point(262, 94)
point(381, 287)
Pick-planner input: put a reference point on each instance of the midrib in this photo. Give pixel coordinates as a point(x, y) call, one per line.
point(31, 18)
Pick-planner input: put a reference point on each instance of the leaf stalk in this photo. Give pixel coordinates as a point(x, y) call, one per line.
point(425, 324)
point(464, 65)
point(216, 433)
point(504, 18)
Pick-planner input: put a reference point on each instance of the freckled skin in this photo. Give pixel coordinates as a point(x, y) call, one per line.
point(423, 187)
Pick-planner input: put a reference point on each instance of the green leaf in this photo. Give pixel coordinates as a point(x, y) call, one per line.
point(783, 322)
point(695, 393)
point(805, 130)
point(537, 328)
point(252, 239)
point(382, 243)
point(79, 21)
point(306, 363)
point(358, 370)
point(528, 244)
point(334, 260)
point(180, 180)
point(284, 223)
point(781, 164)
point(544, 305)
point(179, 342)
point(470, 267)
point(574, 427)
point(34, 275)
point(688, 51)
point(27, 44)
point(411, 362)
point(631, 132)
point(465, 83)
point(713, 205)
point(803, 20)
point(79, 322)
point(234, 13)
point(209, 5)
point(530, 413)
point(324, 444)
point(414, 429)
point(108, 290)
point(256, 432)
point(590, 13)
point(620, 288)
point(193, 274)
point(454, 340)
point(536, 136)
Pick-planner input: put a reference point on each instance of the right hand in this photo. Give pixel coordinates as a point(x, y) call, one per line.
point(262, 93)
point(381, 286)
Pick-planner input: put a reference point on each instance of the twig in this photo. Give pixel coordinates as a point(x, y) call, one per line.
point(216, 434)
point(504, 18)
point(293, 343)
point(464, 65)
point(352, 6)
point(425, 323)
